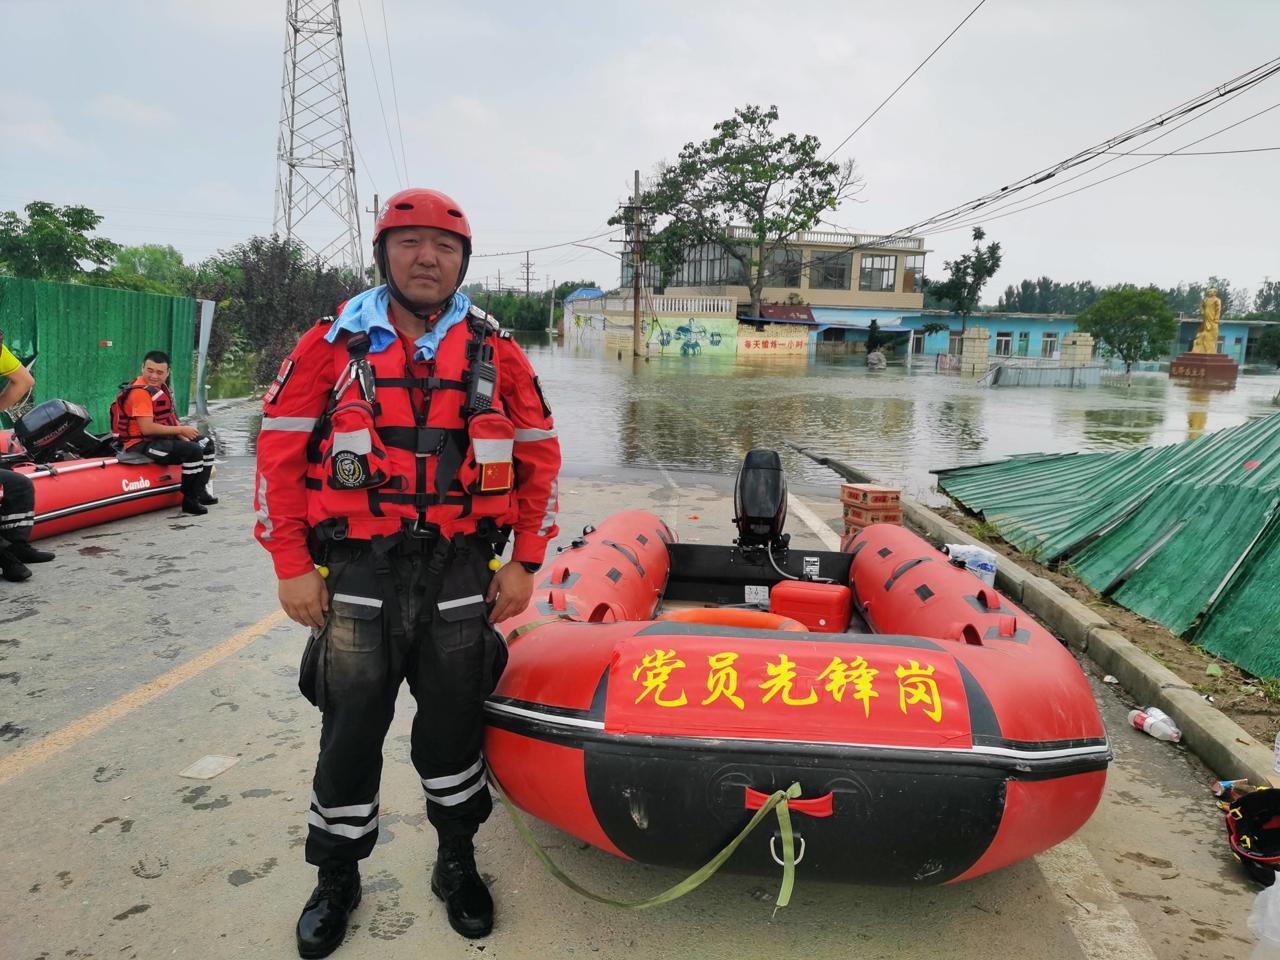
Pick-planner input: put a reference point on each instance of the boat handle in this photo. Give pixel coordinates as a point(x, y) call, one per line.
point(773, 845)
point(814, 806)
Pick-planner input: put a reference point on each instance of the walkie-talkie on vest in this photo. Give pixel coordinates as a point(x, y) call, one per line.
point(483, 380)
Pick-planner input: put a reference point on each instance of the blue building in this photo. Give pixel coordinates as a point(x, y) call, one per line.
point(1012, 334)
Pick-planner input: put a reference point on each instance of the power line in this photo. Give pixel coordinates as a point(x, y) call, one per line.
point(395, 96)
point(1095, 183)
point(1199, 153)
point(549, 246)
point(919, 66)
point(963, 214)
point(378, 89)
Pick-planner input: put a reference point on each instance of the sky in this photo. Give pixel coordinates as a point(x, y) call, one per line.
point(163, 116)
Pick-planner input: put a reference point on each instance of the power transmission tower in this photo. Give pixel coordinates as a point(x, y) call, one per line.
point(527, 269)
point(316, 201)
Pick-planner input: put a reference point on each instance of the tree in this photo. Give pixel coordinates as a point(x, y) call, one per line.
point(1269, 345)
point(159, 263)
point(967, 276)
point(1267, 299)
point(270, 291)
point(874, 337)
point(52, 242)
point(745, 175)
point(1132, 324)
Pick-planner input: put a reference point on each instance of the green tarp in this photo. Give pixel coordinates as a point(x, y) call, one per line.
point(87, 340)
point(1186, 535)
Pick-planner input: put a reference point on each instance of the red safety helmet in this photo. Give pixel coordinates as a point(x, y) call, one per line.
point(417, 207)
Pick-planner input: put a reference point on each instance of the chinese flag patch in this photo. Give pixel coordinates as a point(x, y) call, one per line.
point(496, 477)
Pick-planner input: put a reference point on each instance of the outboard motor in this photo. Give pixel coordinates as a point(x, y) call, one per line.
point(760, 502)
point(52, 426)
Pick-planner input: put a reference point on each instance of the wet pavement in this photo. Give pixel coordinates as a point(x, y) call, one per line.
point(154, 642)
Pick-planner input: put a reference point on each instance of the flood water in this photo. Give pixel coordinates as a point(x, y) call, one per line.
point(702, 413)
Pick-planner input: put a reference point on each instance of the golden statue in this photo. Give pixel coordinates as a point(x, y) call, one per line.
point(1207, 335)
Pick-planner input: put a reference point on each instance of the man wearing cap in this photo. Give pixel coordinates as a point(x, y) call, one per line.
point(402, 444)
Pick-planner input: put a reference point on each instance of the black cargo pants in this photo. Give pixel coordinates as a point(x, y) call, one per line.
point(17, 507)
point(414, 613)
point(196, 457)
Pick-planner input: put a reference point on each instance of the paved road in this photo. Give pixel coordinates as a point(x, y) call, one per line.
point(151, 643)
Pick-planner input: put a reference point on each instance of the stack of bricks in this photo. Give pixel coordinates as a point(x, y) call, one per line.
point(868, 503)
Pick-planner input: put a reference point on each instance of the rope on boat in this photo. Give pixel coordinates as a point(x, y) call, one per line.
point(778, 804)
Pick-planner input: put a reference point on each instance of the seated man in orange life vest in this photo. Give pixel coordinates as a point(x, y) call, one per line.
point(144, 420)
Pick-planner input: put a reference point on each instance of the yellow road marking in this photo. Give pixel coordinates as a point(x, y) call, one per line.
point(20, 761)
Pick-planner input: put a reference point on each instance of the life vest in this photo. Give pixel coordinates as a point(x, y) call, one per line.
point(395, 447)
point(124, 426)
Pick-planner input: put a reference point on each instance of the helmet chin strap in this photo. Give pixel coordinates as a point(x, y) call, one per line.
point(429, 314)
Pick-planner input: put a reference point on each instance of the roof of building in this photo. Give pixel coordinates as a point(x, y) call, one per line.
point(795, 313)
point(1187, 535)
point(584, 293)
point(859, 320)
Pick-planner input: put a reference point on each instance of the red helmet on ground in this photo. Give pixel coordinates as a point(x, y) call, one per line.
point(417, 207)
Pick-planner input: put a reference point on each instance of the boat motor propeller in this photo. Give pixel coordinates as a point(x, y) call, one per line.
point(760, 503)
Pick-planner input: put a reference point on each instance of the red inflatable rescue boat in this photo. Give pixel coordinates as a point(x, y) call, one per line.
point(79, 479)
point(658, 692)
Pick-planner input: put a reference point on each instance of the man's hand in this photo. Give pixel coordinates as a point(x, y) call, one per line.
point(306, 600)
point(512, 586)
point(187, 432)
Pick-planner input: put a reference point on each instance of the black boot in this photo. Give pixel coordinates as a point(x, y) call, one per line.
point(11, 568)
point(204, 496)
point(21, 550)
point(323, 923)
point(457, 882)
point(192, 506)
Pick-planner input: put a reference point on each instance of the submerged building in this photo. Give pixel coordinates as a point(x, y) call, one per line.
point(823, 291)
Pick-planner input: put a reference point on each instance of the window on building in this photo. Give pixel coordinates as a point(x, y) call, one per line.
point(917, 342)
point(833, 335)
point(878, 273)
point(1024, 342)
point(1004, 343)
point(1049, 343)
point(913, 274)
point(954, 343)
point(738, 270)
point(830, 271)
point(784, 268)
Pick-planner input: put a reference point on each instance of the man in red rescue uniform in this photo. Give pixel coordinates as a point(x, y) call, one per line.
point(401, 443)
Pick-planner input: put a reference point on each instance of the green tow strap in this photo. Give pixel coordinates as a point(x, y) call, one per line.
point(776, 803)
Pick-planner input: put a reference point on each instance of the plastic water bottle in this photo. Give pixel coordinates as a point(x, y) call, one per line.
point(1156, 722)
point(1264, 922)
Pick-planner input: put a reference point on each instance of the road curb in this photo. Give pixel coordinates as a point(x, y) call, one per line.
point(1224, 746)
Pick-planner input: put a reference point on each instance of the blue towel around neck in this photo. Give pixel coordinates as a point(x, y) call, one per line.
point(368, 312)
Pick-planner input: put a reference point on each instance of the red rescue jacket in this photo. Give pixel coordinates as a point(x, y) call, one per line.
point(407, 455)
point(125, 427)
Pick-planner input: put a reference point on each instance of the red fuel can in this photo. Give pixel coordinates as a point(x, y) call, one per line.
point(822, 607)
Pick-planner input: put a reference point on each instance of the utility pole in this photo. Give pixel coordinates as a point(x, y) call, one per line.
point(499, 281)
point(377, 270)
point(315, 202)
point(551, 304)
point(637, 222)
